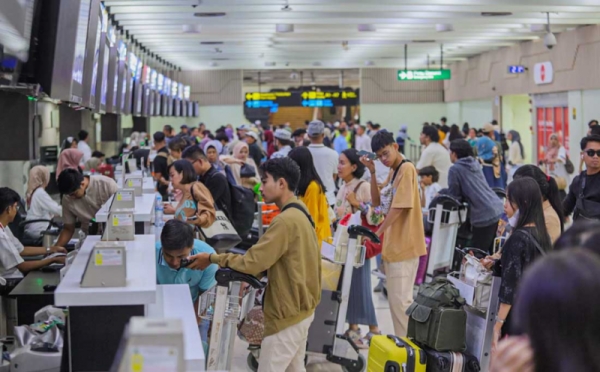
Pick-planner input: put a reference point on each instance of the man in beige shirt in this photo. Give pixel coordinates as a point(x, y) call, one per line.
point(404, 240)
point(82, 198)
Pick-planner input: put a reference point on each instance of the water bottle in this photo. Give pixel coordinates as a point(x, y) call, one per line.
point(158, 215)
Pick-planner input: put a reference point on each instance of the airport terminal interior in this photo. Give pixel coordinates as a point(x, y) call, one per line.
point(299, 185)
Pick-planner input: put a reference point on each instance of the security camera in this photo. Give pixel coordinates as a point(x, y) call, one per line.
point(550, 40)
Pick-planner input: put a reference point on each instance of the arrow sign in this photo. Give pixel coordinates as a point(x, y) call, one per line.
point(248, 96)
point(305, 102)
point(424, 75)
point(305, 95)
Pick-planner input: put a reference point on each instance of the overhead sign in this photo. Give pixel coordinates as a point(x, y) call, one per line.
point(543, 73)
point(274, 100)
point(516, 69)
point(404, 75)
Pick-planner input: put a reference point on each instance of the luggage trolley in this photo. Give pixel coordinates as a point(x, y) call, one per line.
point(447, 216)
point(326, 333)
point(225, 305)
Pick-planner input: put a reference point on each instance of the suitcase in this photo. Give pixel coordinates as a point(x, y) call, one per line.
point(443, 329)
point(394, 354)
point(447, 361)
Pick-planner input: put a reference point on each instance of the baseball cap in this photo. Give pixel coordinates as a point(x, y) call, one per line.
point(243, 127)
point(283, 134)
point(487, 128)
point(315, 128)
point(252, 134)
point(184, 127)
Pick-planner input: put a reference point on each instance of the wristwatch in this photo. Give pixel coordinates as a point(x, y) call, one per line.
point(47, 251)
point(498, 320)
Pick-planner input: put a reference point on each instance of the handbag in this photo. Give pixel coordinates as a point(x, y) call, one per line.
point(247, 171)
point(475, 274)
point(569, 167)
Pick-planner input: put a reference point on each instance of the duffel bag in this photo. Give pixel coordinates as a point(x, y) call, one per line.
point(443, 328)
point(439, 293)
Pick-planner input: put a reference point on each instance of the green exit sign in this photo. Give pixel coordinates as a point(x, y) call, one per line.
point(423, 75)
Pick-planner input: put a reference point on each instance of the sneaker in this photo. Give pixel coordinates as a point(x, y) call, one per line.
point(378, 288)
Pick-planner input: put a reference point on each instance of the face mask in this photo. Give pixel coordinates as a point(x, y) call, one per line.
point(514, 219)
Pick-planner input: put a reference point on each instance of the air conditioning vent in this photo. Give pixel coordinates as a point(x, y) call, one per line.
point(211, 43)
point(210, 15)
point(423, 41)
point(495, 14)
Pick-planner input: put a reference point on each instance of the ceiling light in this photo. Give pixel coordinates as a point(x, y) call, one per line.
point(269, 64)
point(283, 28)
point(495, 14)
point(190, 29)
point(211, 43)
point(214, 64)
point(423, 41)
point(369, 63)
point(210, 15)
point(444, 27)
point(366, 28)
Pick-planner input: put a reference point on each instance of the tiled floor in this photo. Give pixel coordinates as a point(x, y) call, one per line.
point(318, 363)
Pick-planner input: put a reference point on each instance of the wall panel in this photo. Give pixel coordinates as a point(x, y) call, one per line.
point(214, 87)
point(379, 85)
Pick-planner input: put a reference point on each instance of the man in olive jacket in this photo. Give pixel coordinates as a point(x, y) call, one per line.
point(289, 253)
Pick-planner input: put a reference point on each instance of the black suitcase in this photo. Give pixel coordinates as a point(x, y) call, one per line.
point(447, 361)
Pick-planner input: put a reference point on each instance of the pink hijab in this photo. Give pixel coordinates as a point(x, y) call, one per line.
point(552, 152)
point(238, 149)
point(69, 159)
point(39, 176)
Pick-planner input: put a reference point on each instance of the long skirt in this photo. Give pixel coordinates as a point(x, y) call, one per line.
point(360, 303)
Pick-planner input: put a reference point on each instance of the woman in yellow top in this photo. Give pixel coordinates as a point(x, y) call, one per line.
point(312, 192)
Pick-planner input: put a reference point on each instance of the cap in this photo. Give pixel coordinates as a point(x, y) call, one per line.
point(257, 122)
point(283, 134)
point(243, 127)
point(315, 128)
point(253, 135)
point(183, 126)
point(487, 128)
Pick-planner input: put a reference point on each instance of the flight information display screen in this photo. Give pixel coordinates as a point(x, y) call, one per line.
point(301, 99)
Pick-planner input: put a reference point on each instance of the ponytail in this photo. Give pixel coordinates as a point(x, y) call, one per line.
point(553, 196)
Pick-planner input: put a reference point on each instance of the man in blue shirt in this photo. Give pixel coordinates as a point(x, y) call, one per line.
point(177, 243)
point(340, 143)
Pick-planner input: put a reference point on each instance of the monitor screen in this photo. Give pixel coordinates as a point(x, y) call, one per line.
point(180, 91)
point(146, 74)
point(186, 92)
point(133, 64)
point(96, 58)
point(167, 87)
point(138, 70)
point(80, 42)
point(104, 86)
point(174, 87)
point(122, 72)
point(160, 81)
point(153, 77)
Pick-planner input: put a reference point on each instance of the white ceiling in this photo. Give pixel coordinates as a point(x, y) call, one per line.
point(250, 41)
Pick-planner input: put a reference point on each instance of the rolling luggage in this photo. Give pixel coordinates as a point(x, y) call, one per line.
point(448, 361)
point(422, 270)
point(394, 354)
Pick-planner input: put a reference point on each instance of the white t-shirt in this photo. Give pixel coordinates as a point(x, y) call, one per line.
point(430, 192)
point(42, 208)
point(381, 172)
point(437, 156)
point(10, 254)
point(326, 162)
point(363, 143)
point(87, 151)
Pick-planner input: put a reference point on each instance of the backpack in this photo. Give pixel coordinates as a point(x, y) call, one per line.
point(169, 158)
point(243, 207)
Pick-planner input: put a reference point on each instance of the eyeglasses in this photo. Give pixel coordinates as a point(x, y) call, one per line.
point(591, 153)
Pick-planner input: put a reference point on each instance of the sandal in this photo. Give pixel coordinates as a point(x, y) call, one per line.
point(357, 339)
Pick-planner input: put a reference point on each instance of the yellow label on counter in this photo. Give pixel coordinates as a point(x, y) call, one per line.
point(99, 258)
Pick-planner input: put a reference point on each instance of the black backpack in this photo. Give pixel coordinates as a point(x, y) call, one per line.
point(242, 209)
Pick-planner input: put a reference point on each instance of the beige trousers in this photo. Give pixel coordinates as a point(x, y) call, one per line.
point(400, 279)
point(285, 350)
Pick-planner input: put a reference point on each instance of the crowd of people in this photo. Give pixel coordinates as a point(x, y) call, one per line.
point(321, 173)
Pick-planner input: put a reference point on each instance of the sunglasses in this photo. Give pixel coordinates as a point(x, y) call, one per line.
point(591, 153)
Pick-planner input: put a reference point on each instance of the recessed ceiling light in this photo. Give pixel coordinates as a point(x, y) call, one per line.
point(366, 28)
point(214, 64)
point(211, 43)
point(190, 29)
point(283, 28)
point(269, 64)
point(444, 27)
point(495, 14)
point(210, 15)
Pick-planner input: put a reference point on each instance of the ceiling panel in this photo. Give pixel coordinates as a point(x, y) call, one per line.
point(326, 32)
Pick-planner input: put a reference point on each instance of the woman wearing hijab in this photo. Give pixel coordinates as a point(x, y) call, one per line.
point(69, 143)
point(556, 158)
point(93, 165)
point(241, 159)
point(40, 205)
point(69, 158)
point(516, 153)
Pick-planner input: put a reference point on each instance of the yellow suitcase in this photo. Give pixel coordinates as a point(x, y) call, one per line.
point(395, 354)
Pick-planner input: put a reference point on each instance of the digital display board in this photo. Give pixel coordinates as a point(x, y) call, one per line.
point(516, 69)
point(96, 62)
point(411, 75)
point(186, 92)
point(160, 81)
point(174, 86)
point(153, 77)
point(180, 91)
point(167, 87)
point(275, 100)
point(133, 64)
point(80, 42)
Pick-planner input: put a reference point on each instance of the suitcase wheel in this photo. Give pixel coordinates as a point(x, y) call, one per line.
point(360, 365)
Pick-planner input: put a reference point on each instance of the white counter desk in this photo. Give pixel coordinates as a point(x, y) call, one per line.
point(174, 302)
point(148, 185)
point(98, 316)
point(143, 215)
point(141, 277)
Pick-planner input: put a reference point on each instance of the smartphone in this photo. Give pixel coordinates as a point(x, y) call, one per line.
point(185, 263)
point(370, 155)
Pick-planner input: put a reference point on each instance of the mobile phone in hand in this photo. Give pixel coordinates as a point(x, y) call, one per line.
point(370, 155)
point(185, 263)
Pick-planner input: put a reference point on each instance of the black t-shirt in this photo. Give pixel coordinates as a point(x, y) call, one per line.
point(255, 153)
point(218, 186)
point(161, 167)
point(591, 196)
